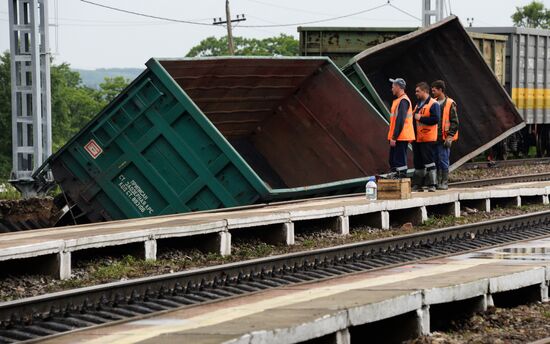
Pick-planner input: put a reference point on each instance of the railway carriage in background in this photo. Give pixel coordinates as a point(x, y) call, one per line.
point(518, 57)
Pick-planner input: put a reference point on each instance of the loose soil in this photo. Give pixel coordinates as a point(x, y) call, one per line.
point(516, 325)
point(116, 268)
point(40, 210)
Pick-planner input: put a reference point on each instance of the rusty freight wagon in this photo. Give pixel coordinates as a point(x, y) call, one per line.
point(207, 133)
point(528, 79)
point(343, 43)
point(441, 51)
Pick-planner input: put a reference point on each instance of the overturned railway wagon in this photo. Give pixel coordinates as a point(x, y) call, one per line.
point(198, 134)
point(441, 51)
point(518, 57)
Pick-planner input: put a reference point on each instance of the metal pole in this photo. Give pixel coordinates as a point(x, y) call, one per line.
point(30, 87)
point(229, 30)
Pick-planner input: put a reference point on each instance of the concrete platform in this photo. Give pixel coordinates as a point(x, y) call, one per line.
point(384, 306)
point(274, 223)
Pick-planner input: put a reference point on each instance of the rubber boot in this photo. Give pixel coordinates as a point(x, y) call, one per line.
point(431, 180)
point(418, 180)
point(401, 174)
point(439, 178)
point(444, 180)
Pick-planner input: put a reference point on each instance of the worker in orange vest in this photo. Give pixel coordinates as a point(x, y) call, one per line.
point(401, 130)
point(426, 114)
point(446, 134)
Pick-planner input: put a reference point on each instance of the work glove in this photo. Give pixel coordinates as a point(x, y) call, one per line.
point(448, 142)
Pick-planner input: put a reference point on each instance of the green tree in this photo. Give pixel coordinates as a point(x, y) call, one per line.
point(5, 116)
point(73, 105)
point(111, 87)
point(533, 15)
point(282, 45)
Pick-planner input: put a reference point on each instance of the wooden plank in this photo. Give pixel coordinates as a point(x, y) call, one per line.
point(394, 189)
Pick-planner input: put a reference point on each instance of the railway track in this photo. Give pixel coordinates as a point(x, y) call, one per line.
point(49, 315)
point(504, 163)
point(524, 178)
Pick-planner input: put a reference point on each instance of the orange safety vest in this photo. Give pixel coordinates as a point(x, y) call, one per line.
point(445, 119)
point(407, 133)
point(425, 132)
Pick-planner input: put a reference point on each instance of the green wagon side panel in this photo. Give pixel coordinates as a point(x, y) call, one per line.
point(358, 78)
point(135, 158)
point(210, 133)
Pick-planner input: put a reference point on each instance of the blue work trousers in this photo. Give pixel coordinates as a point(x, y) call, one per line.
point(441, 156)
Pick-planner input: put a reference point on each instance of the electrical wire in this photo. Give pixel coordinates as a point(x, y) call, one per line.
point(323, 20)
point(291, 8)
point(145, 15)
point(404, 12)
point(242, 26)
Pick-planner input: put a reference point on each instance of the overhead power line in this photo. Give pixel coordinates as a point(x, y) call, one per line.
point(322, 20)
point(403, 11)
point(247, 26)
point(146, 15)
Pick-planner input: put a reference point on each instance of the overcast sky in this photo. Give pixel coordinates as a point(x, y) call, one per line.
point(92, 37)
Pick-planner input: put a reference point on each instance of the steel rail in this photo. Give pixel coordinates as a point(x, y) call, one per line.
point(36, 317)
point(504, 163)
point(524, 178)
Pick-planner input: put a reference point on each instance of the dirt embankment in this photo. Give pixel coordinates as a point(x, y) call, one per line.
point(18, 211)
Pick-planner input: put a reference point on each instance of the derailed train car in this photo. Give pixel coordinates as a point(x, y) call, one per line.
point(207, 133)
point(517, 56)
point(443, 50)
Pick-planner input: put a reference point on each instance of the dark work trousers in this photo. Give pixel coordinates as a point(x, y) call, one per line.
point(398, 156)
point(423, 155)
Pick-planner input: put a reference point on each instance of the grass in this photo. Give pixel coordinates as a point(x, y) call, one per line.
point(7, 191)
point(109, 269)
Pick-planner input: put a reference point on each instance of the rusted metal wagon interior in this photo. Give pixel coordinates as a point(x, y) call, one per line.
point(296, 122)
point(445, 51)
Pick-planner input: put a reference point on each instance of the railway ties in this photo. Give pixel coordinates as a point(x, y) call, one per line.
point(134, 298)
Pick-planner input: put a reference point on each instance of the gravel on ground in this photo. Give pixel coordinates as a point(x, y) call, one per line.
point(516, 325)
point(87, 272)
point(460, 175)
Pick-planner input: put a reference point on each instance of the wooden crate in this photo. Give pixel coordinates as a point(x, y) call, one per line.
point(394, 188)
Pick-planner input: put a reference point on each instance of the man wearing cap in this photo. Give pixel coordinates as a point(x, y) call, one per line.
point(401, 130)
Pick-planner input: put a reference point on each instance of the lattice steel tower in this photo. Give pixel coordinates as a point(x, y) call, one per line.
point(30, 92)
point(430, 11)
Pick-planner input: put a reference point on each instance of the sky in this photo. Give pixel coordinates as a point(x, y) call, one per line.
point(90, 37)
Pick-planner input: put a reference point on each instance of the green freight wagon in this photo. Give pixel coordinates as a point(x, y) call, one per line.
point(207, 133)
point(342, 43)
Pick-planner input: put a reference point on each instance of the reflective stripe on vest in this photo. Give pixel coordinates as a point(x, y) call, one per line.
point(445, 120)
point(425, 132)
point(407, 133)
